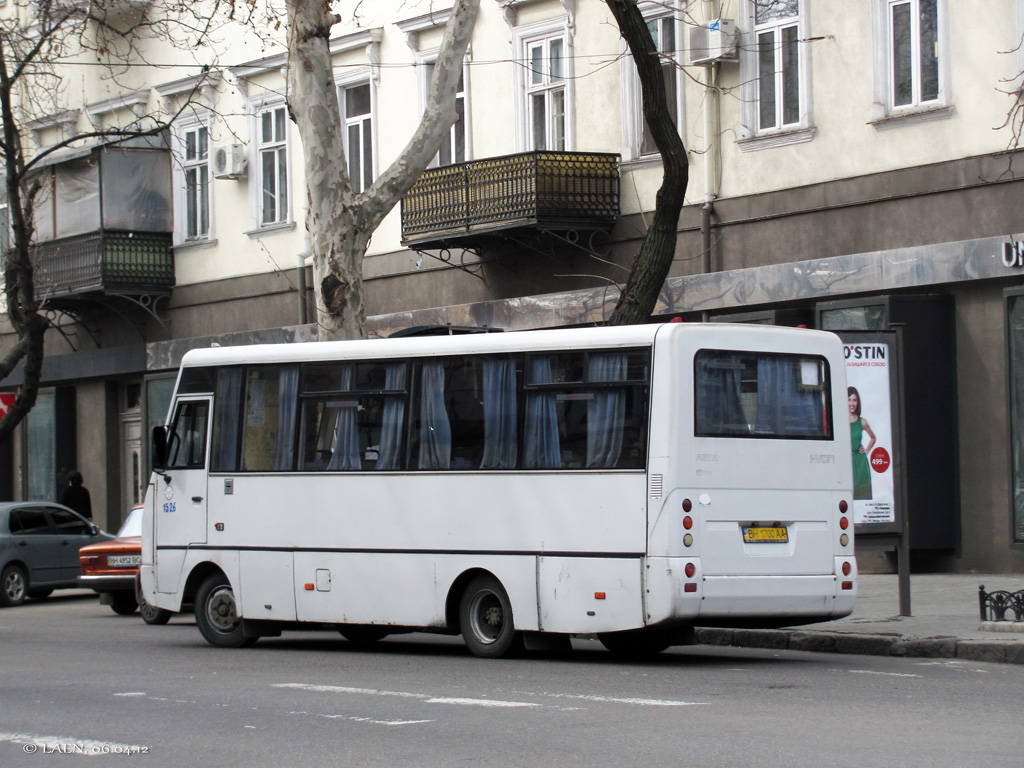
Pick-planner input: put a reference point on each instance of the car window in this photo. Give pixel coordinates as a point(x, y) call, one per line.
point(28, 521)
point(132, 526)
point(68, 523)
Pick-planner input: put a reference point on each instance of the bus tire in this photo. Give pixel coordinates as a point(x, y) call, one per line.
point(485, 616)
point(636, 643)
point(363, 634)
point(217, 614)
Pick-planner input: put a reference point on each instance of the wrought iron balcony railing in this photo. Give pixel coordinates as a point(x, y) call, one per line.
point(104, 263)
point(458, 204)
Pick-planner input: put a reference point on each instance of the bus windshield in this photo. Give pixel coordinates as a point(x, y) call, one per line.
point(761, 395)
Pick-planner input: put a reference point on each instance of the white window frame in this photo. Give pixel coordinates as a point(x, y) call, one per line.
point(425, 62)
point(524, 40)
point(885, 113)
point(256, 147)
point(355, 79)
point(180, 130)
point(752, 136)
point(632, 103)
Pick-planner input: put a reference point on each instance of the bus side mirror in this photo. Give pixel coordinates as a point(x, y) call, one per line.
point(159, 452)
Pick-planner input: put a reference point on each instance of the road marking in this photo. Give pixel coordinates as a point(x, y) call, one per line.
point(425, 697)
point(884, 674)
point(430, 699)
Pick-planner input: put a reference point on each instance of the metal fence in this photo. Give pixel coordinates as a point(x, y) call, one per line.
point(995, 606)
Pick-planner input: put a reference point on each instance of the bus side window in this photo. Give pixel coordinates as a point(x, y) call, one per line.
point(269, 426)
point(186, 447)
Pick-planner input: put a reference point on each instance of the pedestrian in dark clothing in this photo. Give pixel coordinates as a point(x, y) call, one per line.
point(76, 495)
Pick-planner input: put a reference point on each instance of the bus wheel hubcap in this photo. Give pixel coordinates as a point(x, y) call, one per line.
point(221, 610)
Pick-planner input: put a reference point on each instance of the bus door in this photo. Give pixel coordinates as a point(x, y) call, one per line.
point(181, 490)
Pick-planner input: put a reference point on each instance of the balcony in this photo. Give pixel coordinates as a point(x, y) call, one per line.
point(104, 263)
point(103, 226)
point(464, 205)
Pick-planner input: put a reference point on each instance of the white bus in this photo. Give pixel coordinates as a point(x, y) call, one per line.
point(517, 488)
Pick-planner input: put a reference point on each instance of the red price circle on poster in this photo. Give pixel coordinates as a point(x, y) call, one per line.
point(879, 459)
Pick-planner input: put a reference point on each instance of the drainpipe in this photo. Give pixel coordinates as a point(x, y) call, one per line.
point(710, 156)
point(300, 269)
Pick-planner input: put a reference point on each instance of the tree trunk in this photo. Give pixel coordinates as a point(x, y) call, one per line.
point(652, 263)
point(340, 223)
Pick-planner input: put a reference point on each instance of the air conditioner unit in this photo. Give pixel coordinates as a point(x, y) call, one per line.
point(713, 41)
point(230, 162)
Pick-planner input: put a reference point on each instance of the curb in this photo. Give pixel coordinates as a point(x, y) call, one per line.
point(942, 647)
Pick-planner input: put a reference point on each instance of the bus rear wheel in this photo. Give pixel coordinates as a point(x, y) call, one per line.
point(636, 643)
point(217, 614)
point(485, 615)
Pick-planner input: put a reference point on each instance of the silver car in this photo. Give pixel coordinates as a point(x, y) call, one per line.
point(39, 542)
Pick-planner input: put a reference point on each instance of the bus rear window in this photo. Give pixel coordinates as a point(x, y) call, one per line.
point(761, 395)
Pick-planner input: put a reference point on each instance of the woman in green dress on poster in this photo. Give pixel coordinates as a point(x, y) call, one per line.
point(858, 426)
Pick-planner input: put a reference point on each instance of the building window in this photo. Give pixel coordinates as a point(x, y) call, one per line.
point(1016, 338)
point(357, 110)
point(453, 149)
point(911, 64)
point(192, 182)
point(913, 51)
point(665, 31)
point(775, 75)
point(272, 156)
point(776, 29)
point(544, 85)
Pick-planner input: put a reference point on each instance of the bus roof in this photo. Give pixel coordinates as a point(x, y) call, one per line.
point(496, 343)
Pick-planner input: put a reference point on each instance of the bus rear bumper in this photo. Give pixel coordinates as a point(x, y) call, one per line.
point(803, 598)
point(745, 600)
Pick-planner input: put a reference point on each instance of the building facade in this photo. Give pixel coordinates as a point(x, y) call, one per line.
point(853, 166)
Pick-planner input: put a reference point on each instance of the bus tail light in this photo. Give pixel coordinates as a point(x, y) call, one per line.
point(846, 569)
point(690, 586)
point(847, 585)
point(687, 522)
point(690, 569)
point(844, 523)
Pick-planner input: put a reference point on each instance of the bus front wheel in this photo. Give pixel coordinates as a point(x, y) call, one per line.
point(485, 615)
point(217, 614)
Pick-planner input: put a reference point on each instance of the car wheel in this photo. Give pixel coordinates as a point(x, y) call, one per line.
point(40, 594)
point(13, 586)
point(123, 603)
point(217, 614)
point(485, 615)
point(153, 615)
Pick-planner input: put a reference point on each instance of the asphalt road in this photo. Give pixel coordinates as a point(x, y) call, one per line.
point(79, 683)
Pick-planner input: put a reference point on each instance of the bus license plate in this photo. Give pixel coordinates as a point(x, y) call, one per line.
point(760, 535)
point(123, 561)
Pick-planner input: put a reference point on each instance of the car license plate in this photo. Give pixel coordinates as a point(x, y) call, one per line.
point(764, 535)
point(123, 561)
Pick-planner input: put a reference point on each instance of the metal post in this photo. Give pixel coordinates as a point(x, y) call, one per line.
point(903, 548)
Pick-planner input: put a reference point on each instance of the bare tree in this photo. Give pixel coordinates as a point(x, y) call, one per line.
point(341, 222)
point(37, 40)
point(652, 263)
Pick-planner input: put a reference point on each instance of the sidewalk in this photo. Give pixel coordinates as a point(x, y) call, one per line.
point(945, 622)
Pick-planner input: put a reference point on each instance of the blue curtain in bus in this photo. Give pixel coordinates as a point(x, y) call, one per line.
point(389, 454)
point(435, 429)
point(606, 412)
point(719, 411)
point(500, 445)
point(228, 422)
point(287, 411)
point(783, 406)
point(541, 445)
point(345, 455)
